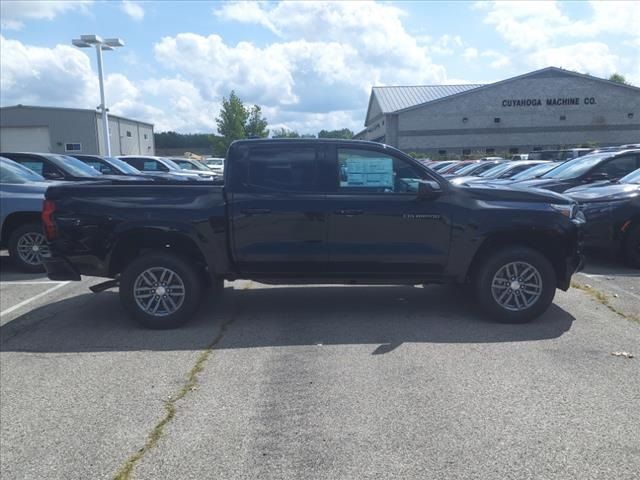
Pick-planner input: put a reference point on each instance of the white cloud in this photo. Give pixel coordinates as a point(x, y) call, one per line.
point(46, 76)
point(589, 57)
point(13, 13)
point(498, 60)
point(133, 9)
point(470, 53)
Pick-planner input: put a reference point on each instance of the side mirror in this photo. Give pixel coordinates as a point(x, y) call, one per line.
point(428, 189)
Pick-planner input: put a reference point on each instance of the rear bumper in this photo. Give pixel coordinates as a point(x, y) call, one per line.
point(59, 268)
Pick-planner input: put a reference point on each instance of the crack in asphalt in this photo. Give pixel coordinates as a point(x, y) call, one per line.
point(170, 407)
point(603, 299)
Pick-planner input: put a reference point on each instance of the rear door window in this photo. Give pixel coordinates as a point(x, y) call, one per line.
point(289, 169)
point(618, 167)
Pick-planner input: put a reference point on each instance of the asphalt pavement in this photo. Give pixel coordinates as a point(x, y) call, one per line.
point(321, 382)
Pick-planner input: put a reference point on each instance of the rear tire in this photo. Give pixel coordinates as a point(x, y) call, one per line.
point(26, 246)
point(515, 285)
point(161, 290)
point(631, 246)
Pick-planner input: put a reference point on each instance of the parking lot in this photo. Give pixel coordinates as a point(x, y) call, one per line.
point(320, 382)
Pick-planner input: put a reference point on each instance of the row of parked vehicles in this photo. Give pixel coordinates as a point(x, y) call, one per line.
point(318, 211)
point(605, 182)
point(24, 177)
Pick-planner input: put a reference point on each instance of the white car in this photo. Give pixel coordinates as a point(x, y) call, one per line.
point(216, 164)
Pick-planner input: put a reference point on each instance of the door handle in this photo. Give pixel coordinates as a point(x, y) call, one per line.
point(349, 212)
point(256, 211)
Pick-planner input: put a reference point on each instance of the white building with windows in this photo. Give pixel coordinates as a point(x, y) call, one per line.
point(548, 108)
point(71, 130)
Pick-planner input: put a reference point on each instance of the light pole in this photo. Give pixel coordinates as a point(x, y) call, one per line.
point(87, 41)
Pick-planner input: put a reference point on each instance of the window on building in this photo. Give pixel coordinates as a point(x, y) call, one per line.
point(514, 150)
point(490, 151)
point(72, 147)
point(465, 119)
point(537, 149)
point(629, 115)
point(496, 120)
point(563, 117)
point(442, 152)
point(128, 133)
point(145, 136)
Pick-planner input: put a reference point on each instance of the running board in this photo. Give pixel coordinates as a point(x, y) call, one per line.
point(101, 287)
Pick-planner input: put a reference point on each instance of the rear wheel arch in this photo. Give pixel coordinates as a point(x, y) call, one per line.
point(15, 220)
point(133, 244)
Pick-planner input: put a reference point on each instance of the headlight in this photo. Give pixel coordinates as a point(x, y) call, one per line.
point(571, 211)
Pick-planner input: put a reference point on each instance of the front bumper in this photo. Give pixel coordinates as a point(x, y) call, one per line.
point(59, 268)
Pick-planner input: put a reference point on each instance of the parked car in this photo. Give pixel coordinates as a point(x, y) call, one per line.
point(21, 197)
point(520, 156)
point(476, 169)
point(456, 167)
point(115, 166)
point(502, 171)
point(534, 171)
point(559, 155)
point(188, 164)
point(361, 212)
point(612, 211)
point(596, 167)
point(215, 164)
point(147, 163)
point(437, 166)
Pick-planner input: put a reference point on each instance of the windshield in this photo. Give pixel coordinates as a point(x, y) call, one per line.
point(476, 168)
point(73, 166)
point(495, 171)
point(440, 166)
point(12, 172)
point(171, 164)
point(633, 177)
point(457, 168)
point(576, 167)
point(123, 166)
point(534, 171)
point(190, 165)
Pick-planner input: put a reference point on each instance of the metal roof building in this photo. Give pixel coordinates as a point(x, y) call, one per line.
point(71, 130)
point(548, 108)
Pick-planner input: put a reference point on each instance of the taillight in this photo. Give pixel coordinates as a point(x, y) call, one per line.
point(50, 231)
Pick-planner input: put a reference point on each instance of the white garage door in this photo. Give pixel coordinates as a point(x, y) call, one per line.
point(24, 139)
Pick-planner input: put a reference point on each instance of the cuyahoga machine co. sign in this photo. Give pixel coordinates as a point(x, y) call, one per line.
point(549, 102)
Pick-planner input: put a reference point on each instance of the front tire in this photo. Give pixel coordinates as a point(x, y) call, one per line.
point(27, 244)
point(515, 285)
point(161, 290)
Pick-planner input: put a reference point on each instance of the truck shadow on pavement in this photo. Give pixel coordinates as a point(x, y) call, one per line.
point(384, 317)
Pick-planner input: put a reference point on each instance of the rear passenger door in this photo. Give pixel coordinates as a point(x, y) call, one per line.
point(277, 210)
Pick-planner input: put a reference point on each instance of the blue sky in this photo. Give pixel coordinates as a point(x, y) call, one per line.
point(310, 65)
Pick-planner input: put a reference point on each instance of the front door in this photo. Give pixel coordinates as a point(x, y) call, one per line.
point(278, 211)
point(377, 224)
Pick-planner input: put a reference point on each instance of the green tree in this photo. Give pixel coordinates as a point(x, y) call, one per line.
point(345, 133)
point(285, 133)
point(618, 78)
point(231, 123)
point(256, 125)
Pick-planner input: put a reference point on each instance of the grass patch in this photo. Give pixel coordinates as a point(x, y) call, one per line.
point(603, 299)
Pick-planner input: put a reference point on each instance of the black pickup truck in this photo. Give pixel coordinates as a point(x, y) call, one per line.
point(313, 211)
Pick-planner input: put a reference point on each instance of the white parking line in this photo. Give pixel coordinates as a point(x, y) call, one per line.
point(29, 300)
point(26, 282)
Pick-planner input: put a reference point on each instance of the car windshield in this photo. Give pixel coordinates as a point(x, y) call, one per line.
point(476, 168)
point(440, 166)
point(73, 166)
point(633, 177)
point(576, 167)
point(171, 164)
point(12, 172)
point(495, 171)
point(190, 165)
point(123, 166)
point(534, 171)
point(457, 168)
